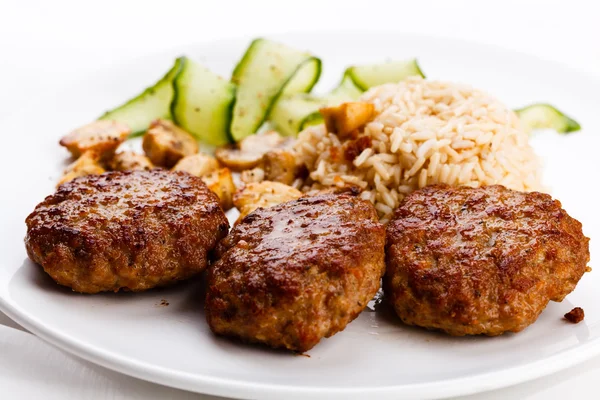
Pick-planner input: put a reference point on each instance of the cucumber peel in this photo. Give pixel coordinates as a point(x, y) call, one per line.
point(202, 103)
point(546, 116)
point(368, 76)
point(154, 102)
point(267, 71)
point(292, 114)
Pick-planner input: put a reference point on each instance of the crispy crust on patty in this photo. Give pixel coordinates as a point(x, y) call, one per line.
point(480, 261)
point(296, 272)
point(130, 230)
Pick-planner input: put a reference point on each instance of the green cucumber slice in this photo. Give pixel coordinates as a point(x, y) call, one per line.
point(289, 112)
point(293, 113)
point(266, 71)
point(368, 76)
point(151, 104)
point(347, 88)
point(202, 103)
point(545, 116)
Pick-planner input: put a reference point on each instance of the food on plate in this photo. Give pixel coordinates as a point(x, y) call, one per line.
point(270, 87)
point(221, 183)
point(289, 275)
point(197, 164)
point(282, 166)
point(367, 76)
point(423, 132)
point(575, 316)
point(130, 161)
point(202, 103)
point(267, 71)
point(486, 260)
point(248, 153)
point(545, 116)
point(472, 248)
point(131, 230)
point(293, 113)
point(101, 137)
point(152, 104)
point(165, 143)
point(87, 164)
point(346, 119)
point(263, 194)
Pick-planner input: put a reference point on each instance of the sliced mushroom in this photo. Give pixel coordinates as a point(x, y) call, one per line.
point(221, 182)
point(345, 119)
point(165, 143)
point(264, 194)
point(101, 137)
point(253, 175)
point(130, 161)
point(280, 166)
point(197, 164)
point(249, 152)
point(87, 164)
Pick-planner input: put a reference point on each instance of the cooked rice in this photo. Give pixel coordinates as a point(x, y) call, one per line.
point(424, 132)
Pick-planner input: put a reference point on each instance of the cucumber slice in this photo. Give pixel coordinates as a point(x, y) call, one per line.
point(368, 76)
point(347, 88)
point(266, 71)
point(202, 103)
point(293, 113)
point(545, 116)
point(289, 112)
point(151, 104)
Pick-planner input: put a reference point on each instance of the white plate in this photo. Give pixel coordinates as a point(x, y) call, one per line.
point(61, 376)
point(375, 355)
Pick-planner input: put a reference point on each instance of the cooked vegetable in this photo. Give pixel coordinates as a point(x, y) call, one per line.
point(151, 104)
point(347, 89)
point(130, 161)
point(253, 175)
point(545, 116)
point(87, 164)
point(266, 71)
point(347, 117)
point(197, 164)
point(249, 152)
point(221, 182)
point(102, 137)
point(264, 194)
point(165, 144)
point(202, 103)
point(292, 114)
point(368, 76)
point(280, 166)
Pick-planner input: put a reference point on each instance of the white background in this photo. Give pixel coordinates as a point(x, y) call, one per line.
point(44, 44)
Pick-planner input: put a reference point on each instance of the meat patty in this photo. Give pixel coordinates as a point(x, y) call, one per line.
point(130, 230)
point(480, 261)
point(296, 272)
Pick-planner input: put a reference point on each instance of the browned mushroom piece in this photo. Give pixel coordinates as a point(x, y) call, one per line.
point(280, 166)
point(130, 161)
point(200, 164)
point(221, 182)
point(346, 118)
point(250, 151)
point(165, 143)
point(101, 137)
point(87, 164)
point(263, 195)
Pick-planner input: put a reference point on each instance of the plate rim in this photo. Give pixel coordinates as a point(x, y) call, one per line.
point(470, 384)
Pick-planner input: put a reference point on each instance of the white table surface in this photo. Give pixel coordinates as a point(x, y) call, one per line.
point(45, 43)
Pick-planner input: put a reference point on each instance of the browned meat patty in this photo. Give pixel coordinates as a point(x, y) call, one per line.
point(480, 261)
point(129, 230)
point(296, 272)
